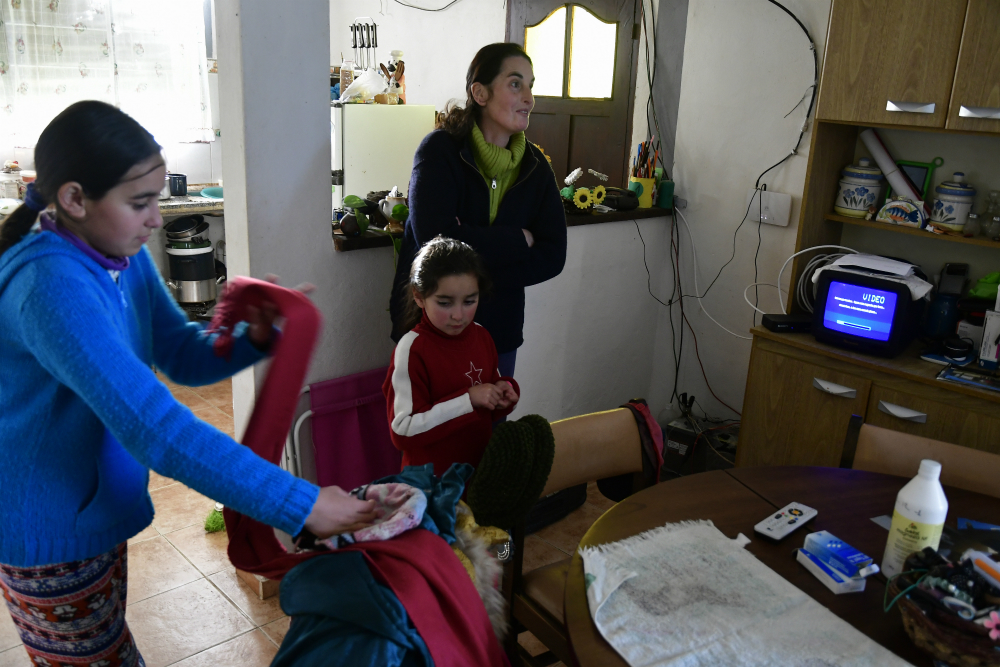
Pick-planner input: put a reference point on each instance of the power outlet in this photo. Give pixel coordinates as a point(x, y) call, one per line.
point(774, 208)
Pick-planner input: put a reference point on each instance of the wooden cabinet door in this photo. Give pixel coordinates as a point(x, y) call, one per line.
point(896, 53)
point(961, 420)
point(796, 413)
point(975, 96)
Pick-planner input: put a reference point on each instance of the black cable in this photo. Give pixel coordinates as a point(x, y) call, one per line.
point(425, 9)
point(650, 78)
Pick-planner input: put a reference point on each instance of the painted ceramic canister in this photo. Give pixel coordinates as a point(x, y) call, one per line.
point(953, 203)
point(903, 212)
point(860, 187)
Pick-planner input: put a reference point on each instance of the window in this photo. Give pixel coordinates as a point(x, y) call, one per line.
point(148, 58)
point(591, 49)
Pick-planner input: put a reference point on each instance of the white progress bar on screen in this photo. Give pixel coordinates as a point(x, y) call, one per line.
point(852, 325)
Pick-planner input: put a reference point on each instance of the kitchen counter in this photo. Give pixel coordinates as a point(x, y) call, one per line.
point(382, 240)
point(193, 203)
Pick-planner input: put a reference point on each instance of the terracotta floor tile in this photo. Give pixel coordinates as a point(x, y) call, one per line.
point(277, 630)
point(154, 567)
point(228, 409)
point(538, 553)
point(182, 622)
point(158, 481)
point(207, 551)
point(597, 499)
point(216, 418)
point(261, 612)
point(566, 534)
point(15, 657)
point(252, 649)
point(8, 631)
point(148, 533)
point(189, 398)
point(178, 506)
point(219, 394)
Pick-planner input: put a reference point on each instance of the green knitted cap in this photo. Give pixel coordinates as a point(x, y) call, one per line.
point(513, 471)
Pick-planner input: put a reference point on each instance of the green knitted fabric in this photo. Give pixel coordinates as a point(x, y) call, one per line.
point(513, 471)
point(498, 164)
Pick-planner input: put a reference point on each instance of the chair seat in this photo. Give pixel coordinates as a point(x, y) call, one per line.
point(546, 587)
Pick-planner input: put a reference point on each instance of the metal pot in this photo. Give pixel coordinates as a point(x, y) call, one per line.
point(186, 228)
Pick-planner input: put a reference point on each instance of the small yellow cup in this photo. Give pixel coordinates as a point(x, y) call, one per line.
point(643, 188)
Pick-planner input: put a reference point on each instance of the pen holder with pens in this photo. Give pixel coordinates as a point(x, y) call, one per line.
point(643, 188)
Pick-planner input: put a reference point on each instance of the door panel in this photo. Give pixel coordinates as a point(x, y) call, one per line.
point(890, 51)
point(977, 77)
point(934, 419)
point(789, 420)
point(604, 126)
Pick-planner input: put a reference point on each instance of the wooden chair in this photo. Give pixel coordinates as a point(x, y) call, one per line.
point(587, 448)
point(878, 449)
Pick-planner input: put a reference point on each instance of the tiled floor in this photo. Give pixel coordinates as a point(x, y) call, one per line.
point(187, 607)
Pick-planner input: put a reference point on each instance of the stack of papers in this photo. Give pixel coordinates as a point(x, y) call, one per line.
point(883, 267)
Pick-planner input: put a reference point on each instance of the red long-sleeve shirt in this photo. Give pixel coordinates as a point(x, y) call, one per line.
point(431, 417)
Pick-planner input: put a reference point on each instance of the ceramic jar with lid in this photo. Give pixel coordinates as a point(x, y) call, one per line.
point(860, 187)
point(953, 202)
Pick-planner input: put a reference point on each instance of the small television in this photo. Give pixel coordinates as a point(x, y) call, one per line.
point(865, 313)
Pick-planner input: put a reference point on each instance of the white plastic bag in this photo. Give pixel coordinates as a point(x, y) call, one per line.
point(365, 87)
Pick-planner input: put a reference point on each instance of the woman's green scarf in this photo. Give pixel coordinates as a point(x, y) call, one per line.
point(499, 166)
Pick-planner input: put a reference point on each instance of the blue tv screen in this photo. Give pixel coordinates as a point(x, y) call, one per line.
point(859, 311)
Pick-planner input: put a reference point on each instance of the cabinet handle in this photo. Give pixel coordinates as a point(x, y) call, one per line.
point(900, 412)
point(910, 107)
point(979, 112)
point(835, 389)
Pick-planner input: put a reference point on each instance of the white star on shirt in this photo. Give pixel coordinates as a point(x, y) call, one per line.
point(478, 372)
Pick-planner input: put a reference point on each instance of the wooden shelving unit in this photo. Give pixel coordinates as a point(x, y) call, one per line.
point(913, 231)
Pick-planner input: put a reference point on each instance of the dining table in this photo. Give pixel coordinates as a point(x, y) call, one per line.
point(735, 500)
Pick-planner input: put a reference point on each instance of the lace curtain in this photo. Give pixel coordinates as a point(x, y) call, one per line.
point(145, 56)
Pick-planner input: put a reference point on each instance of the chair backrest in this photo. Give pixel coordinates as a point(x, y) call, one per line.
point(895, 453)
point(594, 446)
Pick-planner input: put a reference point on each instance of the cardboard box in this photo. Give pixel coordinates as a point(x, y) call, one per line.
point(991, 334)
point(833, 580)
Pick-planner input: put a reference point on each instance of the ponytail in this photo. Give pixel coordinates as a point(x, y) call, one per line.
point(16, 226)
point(485, 67)
point(91, 143)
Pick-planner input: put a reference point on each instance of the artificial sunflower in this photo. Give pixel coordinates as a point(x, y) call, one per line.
point(582, 198)
point(599, 194)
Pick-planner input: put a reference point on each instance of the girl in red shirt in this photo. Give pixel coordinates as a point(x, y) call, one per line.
point(443, 389)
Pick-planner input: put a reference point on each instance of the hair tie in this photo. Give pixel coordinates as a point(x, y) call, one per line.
point(33, 200)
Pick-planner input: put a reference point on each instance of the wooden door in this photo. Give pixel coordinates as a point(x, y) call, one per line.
point(975, 96)
point(890, 54)
point(796, 413)
point(956, 419)
point(584, 132)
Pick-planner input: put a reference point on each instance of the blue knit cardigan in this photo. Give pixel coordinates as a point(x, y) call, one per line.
point(83, 417)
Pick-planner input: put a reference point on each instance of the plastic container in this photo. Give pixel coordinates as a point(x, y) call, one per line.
point(346, 75)
point(953, 203)
point(918, 518)
point(860, 187)
point(972, 227)
point(992, 230)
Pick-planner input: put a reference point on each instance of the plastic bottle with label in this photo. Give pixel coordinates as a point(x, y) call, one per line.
point(346, 75)
point(918, 518)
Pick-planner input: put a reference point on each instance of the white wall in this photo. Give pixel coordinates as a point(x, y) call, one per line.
point(437, 46)
point(746, 64)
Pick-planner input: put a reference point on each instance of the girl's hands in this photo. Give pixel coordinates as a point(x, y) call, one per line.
point(337, 511)
point(485, 396)
point(261, 320)
point(492, 396)
point(508, 396)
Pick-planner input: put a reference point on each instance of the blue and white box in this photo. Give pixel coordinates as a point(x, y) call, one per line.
point(838, 555)
point(830, 578)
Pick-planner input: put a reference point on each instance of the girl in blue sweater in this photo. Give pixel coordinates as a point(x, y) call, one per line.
point(84, 316)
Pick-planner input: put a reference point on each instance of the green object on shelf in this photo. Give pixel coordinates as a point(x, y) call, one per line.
point(986, 287)
point(212, 192)
point(665, 194)
point(400, 212)
point(567, 192)
point(354, 201)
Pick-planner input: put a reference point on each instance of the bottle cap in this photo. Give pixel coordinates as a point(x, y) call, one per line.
point(929, 469)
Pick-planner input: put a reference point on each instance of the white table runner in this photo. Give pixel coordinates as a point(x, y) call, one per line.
point(686, 595)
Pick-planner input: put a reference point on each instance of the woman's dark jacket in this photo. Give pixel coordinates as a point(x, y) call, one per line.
point(446, 187)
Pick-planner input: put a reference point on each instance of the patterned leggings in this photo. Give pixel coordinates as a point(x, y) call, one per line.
point(73, 614)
